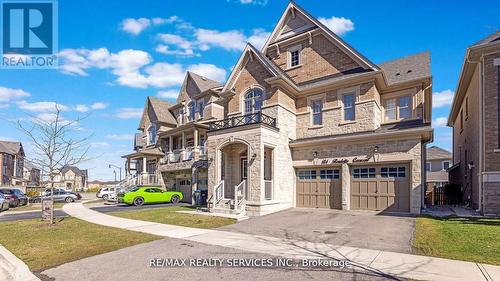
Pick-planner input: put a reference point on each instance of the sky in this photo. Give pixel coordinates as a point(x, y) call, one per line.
point(113, 54)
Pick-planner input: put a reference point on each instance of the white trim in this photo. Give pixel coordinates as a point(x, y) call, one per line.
point(289, 56)
point(442, 164)
point(310, 100)
point(245, 91)
point(355, 90)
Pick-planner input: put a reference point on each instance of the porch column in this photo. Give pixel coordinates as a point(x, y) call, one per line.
point(196, 137)
point(170, 143)
point(144, 165)
point(346, 187)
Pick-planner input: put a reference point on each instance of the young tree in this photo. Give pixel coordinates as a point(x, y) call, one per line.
point(56, 144)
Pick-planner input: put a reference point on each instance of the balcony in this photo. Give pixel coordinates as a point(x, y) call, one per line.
point(183, 155)
point(253, 118)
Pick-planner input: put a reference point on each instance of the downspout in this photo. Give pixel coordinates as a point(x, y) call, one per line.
point(481, 124)
point(423, 159)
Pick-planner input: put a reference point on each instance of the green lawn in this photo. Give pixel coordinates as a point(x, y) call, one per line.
point(35, 206)
point(476, 240)
point(43, 246)
point(168, 215)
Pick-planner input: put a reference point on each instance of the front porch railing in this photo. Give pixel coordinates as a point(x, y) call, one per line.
point(239, 196)
point(218, 193)
point(187, 154)
point(253, 118)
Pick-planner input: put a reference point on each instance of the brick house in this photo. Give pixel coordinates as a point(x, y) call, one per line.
point(307, 121)
point(71, 178)
point(475, 120)
point(437, 163)
point(11, 163)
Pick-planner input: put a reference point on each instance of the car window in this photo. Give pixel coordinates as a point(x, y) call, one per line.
point(149, 190)
point(157, 190)
point(134, 189)
point(7, 191)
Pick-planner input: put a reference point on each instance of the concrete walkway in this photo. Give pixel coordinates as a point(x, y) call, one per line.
point(13, 269)
point(385, 263)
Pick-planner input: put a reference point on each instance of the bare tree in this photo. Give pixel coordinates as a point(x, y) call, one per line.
point(56, 144)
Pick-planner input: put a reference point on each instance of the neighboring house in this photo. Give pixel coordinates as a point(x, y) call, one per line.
point(71, 178)
point(97, 184)
point(307, 121)
point(438, 161)
point(11, 163)
point(475, 118)
point(31, 174)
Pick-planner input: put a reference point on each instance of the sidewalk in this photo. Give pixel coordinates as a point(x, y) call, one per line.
point(396, 264)
point(13, 269)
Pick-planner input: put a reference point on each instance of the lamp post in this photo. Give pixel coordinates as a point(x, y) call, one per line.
point(119, 168)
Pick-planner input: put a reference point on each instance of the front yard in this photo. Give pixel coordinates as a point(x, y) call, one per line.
point(42, 246)
point(35, 207)
point(469, 239)
point(169, 215)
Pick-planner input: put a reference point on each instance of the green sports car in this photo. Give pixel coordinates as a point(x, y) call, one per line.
point(140, 195)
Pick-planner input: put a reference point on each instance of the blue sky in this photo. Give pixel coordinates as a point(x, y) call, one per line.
point(115, 53)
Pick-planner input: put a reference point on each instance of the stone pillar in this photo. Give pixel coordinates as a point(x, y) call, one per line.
point(346, 187)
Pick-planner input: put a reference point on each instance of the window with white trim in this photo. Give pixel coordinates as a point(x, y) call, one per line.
point(191, 111)
point(393, 172)
point(201, 108)
point(363, 173)
point(329, 174)
point(253, 101)
point(428, 166)
point(398, 108)
point(307, 175)
point(317, 112)
point(294, 56)
point(446, 165)
point(349, 107)
point(152, 134)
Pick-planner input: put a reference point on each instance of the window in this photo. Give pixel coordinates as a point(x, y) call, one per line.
point(349, 107)
point(428, 166)
point(393, 172)
point(446, 165)
point(244, 168)
point(201, 108)
point(307, 174)
point(253, 101)
point(191, 111)
point(294, 56)
point(329, 174)
point(152, 134)
point(363, 173)
point(317, 109)
point(398, 108)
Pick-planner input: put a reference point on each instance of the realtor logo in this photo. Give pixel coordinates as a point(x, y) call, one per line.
point(28, 34)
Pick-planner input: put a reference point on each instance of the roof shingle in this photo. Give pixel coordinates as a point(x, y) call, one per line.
point(408, 68)
point(437, 153)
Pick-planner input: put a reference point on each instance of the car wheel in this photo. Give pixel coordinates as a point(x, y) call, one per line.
point(175, 199)
point(105, 197)
point(138, 201)
point(69, 200)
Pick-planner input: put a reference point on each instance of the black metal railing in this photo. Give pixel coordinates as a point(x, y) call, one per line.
point(253, 118)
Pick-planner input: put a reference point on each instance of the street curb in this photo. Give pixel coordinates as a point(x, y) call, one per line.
point(15, 268)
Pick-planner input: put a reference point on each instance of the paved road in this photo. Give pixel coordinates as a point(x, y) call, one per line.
point(102, 209)
point(349, 228)
point(132, 263)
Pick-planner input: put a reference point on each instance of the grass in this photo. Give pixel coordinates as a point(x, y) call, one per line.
point(169, 215)
point(42, 246)
point(35, 206)
point(469, 239)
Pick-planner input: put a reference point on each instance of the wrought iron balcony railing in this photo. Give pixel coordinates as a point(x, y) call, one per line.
point(253, 118)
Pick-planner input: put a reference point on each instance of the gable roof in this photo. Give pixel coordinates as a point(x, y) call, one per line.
point(160, 110)
point(437, 153)
point(11, 147)
point(74, 169)
point(202, 83)
point(489, 39)
point(293, 8)
point(408, 68)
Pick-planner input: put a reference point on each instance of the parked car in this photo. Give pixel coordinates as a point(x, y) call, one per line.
point(107, 192)
point(15, 196)
point(148, 194)
point(59, 196)
point(4, 203)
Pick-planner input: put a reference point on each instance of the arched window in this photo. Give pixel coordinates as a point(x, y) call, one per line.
point(253, 101)
point(152, 134)
point(191, 109)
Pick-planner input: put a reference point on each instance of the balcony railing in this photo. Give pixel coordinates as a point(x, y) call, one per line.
point(253, 118)
point(187, 154)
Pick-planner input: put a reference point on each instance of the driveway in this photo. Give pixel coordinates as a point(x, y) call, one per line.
point(350, 228)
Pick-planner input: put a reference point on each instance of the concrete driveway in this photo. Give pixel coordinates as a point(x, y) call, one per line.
point(350, 228)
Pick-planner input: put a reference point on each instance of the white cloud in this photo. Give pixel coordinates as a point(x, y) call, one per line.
point(129, 113)
point(43, 106)
point(158, 21)
point(442, 98)
point(120, 137)
point(258, 38)
point(254, 2)
point(136, 26)
point(9, 94)
point(339, 26)
point(99, 105)
point(99, 144)
point(440, 122)
point(164, 49)
point(175, 40)
point(81, 108)
point(168, 94)
point(209, 70)
point(233, 40)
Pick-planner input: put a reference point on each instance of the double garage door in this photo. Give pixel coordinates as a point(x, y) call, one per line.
point(319, 188)
point(375, 187)
point(381, 188)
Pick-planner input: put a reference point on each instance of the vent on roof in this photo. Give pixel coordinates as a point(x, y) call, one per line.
point(409, 71)
point(203, 78)
point(397, 74)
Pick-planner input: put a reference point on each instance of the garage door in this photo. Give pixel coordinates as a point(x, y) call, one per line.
point(319, 188)
point(381, 187)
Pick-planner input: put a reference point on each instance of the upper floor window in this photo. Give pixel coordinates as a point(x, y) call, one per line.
point(152, 134)
point(428, 166)
point(317, 111)
point(191, 111)
point(201, 108)
point(398, 108)
point(294, 57)
point(446, 165)
point(349, 107)
point(253, 101)
point(181, 116)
